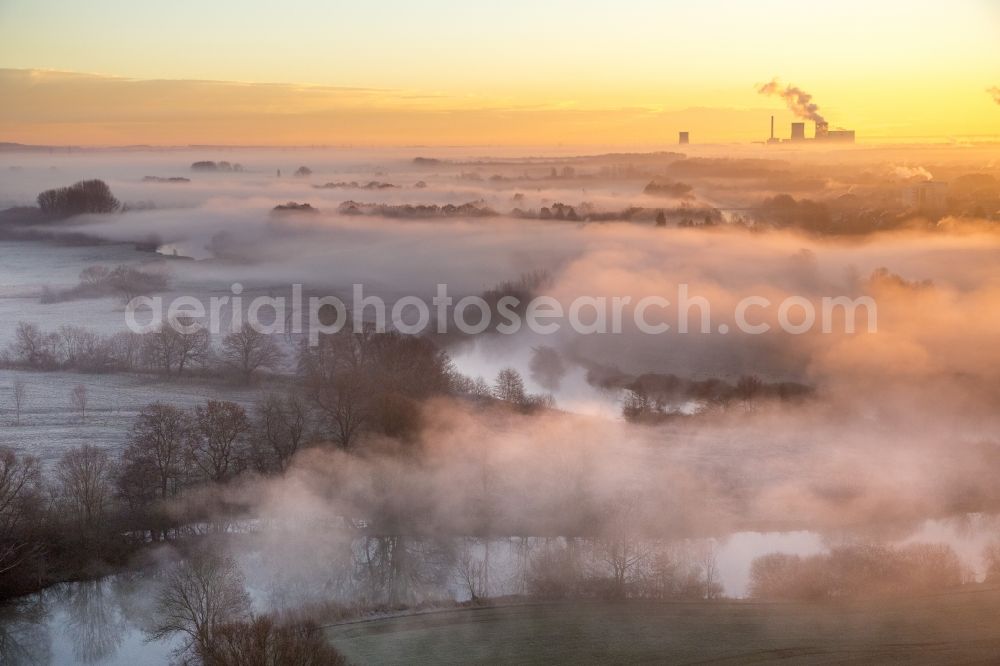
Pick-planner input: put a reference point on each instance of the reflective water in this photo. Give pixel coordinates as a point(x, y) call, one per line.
point(92, 622)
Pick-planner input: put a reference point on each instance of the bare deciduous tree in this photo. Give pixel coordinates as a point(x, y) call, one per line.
point(125, 348)
point(282, 427)
point(153, 461)
point(218, 441)
point(176, 345)
point(33, 347)
point(247, 350)
point(78, 396)
point(19, 494)
point(708, 559)
point(19, 390)
point(509, 387)
point(198, 597)
point(621, 546)
point(130, 282)
point(262, 642)
point(95, 276)
point(84, 481)
point(368, 380)
point(471, 570)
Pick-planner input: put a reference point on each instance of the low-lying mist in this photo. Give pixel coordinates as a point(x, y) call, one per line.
point(899, 423)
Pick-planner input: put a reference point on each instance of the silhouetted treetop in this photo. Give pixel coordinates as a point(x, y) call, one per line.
point(86, 196)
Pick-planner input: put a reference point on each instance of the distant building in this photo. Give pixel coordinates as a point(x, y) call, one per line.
point(773, 139)
point(823, 133)
point(847, 136)
point(684, 138)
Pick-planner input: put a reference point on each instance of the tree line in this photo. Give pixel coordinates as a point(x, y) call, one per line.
point(172, 349)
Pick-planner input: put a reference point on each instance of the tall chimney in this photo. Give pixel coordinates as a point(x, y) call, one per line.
point(772, 128)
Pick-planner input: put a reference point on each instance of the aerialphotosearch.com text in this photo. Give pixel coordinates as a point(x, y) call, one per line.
point(683, 313)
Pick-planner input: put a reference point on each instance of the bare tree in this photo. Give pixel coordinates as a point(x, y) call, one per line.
point(708, 559)
point(84, 483)
point(218, 441)
point(153, 461)
point(20, 479)
point(95, 277)
point(262, 642)
point(174, 346)
point(481, 389)
point(248, 350)
point(509, 386)
point(198, 597)
point(33, 347)
point(19, 389)
point(83, 349)
point(282, 424)
point(125, 349)
point(370, 381)
point(471, 570)
point(78, 396)
point(130, 282)
point(621, 546)
point(335, 380)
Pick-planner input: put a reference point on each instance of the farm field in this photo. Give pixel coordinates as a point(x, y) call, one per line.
point(49, 423)
point(940, 629)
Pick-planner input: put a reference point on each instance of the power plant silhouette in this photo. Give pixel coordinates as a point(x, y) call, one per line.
point(823, 133)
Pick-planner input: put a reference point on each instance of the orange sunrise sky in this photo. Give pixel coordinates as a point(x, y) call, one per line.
point(309, 72)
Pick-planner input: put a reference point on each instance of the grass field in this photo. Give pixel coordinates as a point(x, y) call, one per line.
point(946, 629)
point(49, 424)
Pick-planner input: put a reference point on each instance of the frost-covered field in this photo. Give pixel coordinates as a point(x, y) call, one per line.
point(26, 268)
point(50, 424)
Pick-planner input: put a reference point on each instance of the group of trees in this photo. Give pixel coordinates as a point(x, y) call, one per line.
point(205, 600)
point(355, 185)
point(668, 188)
point(170, 449)
point(53, 526)
point(96, 505)
point(172, 349)
point(86, 196)
point(370, 381)
point(294, 207)
point(609, 567)
point(865, 570)
point(415, 211)
point(652, 398)
point(125, 282)
point(223, 165)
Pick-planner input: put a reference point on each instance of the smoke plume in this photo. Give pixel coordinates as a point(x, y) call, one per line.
point(798, 100)
point(995, 92)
